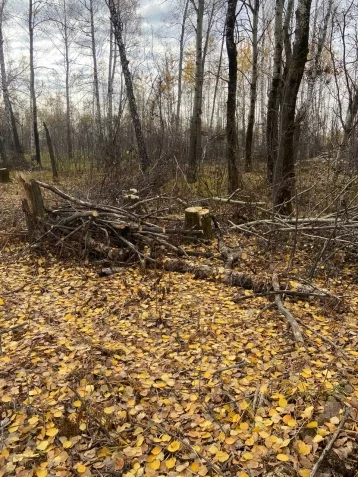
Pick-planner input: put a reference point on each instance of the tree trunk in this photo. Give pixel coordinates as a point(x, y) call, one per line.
point(195, 149)
point(52, 154)
point(68, 93)
point(118, 33)
point(231, 129)
point(10, 118)
point(32, 85)
point(217, 81)
point(273, 98)
point(302, 113)
point(95, 73)
point(181, 59)
point(284, 175)
point(253, 88)
point(111, 73)
point(3, 155)
point(4, 173)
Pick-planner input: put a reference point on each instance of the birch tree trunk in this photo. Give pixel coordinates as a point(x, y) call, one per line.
point(181, 60)
point(253, 87)
point(284, 174)
point(273, 99)
point(36, 136)
point(95, 72)
point(231, 129)
point(68, 92)
point(118, 33)
point(195, 148)
point(111, 72)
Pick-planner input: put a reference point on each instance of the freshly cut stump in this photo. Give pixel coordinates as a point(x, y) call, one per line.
point(198, 218)
point(4, 175)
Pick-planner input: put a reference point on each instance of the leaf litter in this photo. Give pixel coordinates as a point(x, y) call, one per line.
point(159, 374)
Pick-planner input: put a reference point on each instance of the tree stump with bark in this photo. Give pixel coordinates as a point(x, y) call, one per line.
point(4, 175)
point(198, 218)
point(33, 207)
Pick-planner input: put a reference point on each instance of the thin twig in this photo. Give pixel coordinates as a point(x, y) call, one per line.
point(329, 446)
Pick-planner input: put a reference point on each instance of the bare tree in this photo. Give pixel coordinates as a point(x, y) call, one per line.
point(181, 59)
point(10, 118)
point(195, 147)
point(255, 8)
point(231, 129)
point(284, 171)
point(273, 99)
point(118, 33)
point(34, 8)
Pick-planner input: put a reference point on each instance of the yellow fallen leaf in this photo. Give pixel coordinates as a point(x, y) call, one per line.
point(292, 422)
point(104, 452)
point(156, 450)
point(81, 469)
point(165, 438)
point(42, 445)
point(67, 444)
point(213, 449)
point(77, 403)
point(41, 472)
point(170, 463)
point(1, 302)
point(52, 432)
point(282, 457)
point(83, 426)
point(173, 446)
point(317, 438)
point(6, 398)
point(34, 420)
point(247, 456)
point(222, 456)
point(230, 440)
point(334, 420)
point(306, 373)
point(282, 402)
point(305, 473)
point(194, 467)
point(312, 425)
point(303, 448)
point(155, 464)
point(108, 410)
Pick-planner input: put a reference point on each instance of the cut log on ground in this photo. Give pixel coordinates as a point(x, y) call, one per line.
point(198, 218)
point(4, 175)
point(205, 272)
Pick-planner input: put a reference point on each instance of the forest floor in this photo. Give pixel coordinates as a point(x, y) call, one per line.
point(149, 373)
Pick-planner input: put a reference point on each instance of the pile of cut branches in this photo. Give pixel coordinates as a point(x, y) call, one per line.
point(117, 234)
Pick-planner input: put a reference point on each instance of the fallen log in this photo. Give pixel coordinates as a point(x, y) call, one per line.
point(205, 272)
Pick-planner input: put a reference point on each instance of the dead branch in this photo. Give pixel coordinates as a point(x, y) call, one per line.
point(329, 446)
point(290, 319)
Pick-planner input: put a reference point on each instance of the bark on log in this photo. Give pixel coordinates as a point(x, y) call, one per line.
point(4, 175)
point(205, 272)
point(289, 318)
point(198, 218)
point(33, 207)
point(217, 274)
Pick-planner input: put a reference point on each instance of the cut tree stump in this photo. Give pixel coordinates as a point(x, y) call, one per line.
point(33, 207)
point(198, 218)
point(4, 175)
